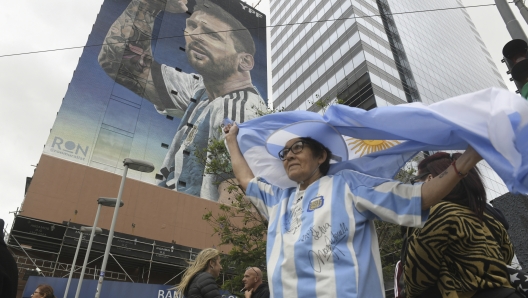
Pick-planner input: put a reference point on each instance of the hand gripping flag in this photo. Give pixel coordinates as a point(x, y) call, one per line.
point(382, 140)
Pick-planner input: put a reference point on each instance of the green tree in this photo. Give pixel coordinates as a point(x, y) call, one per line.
point(389, 235)
point(238, 223)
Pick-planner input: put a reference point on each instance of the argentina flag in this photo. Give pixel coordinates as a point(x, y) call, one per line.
point(380, 141)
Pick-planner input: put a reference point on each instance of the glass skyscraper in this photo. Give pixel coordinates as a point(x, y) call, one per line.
point(374, 53)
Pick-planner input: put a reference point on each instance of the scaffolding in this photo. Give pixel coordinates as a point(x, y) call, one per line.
point(61, 269)
point(46, 248)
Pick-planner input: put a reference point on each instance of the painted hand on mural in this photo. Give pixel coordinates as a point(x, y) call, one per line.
point(173, 6)
point(126, 55)
point(176, 6)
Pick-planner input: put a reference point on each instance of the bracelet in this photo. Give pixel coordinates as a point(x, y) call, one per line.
point(457, 171)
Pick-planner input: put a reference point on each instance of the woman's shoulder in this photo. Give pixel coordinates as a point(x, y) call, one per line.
point(450, 207)
point(203, 276)
point(446, 215)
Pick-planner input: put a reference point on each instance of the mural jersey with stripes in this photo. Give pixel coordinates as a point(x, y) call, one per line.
point(201, 118)
point(322, 241)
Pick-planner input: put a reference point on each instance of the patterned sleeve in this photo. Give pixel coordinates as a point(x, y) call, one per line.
point(455, 250)
point(175, 89)
point(498, 231)
point(263, 195)
point(385, 199)
point(425, 250)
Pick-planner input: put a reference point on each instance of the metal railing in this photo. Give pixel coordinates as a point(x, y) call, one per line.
point(47, 267)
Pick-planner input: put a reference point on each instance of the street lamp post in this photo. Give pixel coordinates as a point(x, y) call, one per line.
point(134, 164)
point(108, 202)
point(83, 231)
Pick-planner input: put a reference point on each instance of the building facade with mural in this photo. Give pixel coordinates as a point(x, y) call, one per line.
point(154, 83)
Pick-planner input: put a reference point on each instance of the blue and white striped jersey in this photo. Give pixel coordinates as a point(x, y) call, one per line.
point(201, 117)
point(322, 241)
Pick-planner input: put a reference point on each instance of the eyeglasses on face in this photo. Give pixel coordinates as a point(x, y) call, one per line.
point(296, 148)
point(418, 178)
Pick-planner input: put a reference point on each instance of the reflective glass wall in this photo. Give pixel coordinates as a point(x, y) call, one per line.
point(447, 57)
point(371, 53)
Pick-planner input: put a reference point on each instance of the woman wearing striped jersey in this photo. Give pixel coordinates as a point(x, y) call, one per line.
point(321, 238)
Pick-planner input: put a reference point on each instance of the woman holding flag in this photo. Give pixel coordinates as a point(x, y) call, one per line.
point(321, 200)
point(321, 238)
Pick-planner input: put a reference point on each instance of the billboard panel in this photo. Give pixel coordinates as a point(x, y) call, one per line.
point(156, 81)
point(110, 289)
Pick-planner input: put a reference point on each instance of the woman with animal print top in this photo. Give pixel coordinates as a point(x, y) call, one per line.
point(461, 251)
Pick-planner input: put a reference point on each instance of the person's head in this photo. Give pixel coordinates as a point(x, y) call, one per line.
point(305, 159)
point(252, 278)
point(213, 262)
point(469, 191)
point(43, 291)
point(208, 260)
point(218, 45)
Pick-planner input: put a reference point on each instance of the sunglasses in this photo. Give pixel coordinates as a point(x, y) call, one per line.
point(418, 178)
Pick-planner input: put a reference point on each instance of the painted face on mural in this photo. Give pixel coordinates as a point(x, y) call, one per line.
point(210, 47)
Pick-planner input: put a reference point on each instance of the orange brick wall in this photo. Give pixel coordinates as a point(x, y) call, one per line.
point(63, 190)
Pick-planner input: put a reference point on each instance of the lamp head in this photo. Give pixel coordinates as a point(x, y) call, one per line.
point(87, 230)
point(109, 202)
point(139, 165)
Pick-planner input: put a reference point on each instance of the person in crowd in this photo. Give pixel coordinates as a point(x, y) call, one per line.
point(321, 236)
point(43, 291)
point(253, 285)
point(463, 248)
point(199, 279)
point(8, 268)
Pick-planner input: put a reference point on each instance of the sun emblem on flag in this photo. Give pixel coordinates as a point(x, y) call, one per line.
point(368, 146)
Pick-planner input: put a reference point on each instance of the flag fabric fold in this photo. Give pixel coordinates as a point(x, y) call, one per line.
point(493, 121)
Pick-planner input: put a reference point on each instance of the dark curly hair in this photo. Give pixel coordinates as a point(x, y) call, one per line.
point(468, 192)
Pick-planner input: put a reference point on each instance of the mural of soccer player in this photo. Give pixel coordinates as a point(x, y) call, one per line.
point(219, 48)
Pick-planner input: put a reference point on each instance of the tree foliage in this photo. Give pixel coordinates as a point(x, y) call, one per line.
point(240, 227)
point(389, 235)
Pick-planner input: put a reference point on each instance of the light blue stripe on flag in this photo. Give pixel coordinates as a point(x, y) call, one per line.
point(493, 121)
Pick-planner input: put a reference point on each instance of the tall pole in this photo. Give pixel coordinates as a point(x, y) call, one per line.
point(73, 264)
point(522, 9)
point(513, 26)
point(86, 257)
point(111, 233)
point(60, 249)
